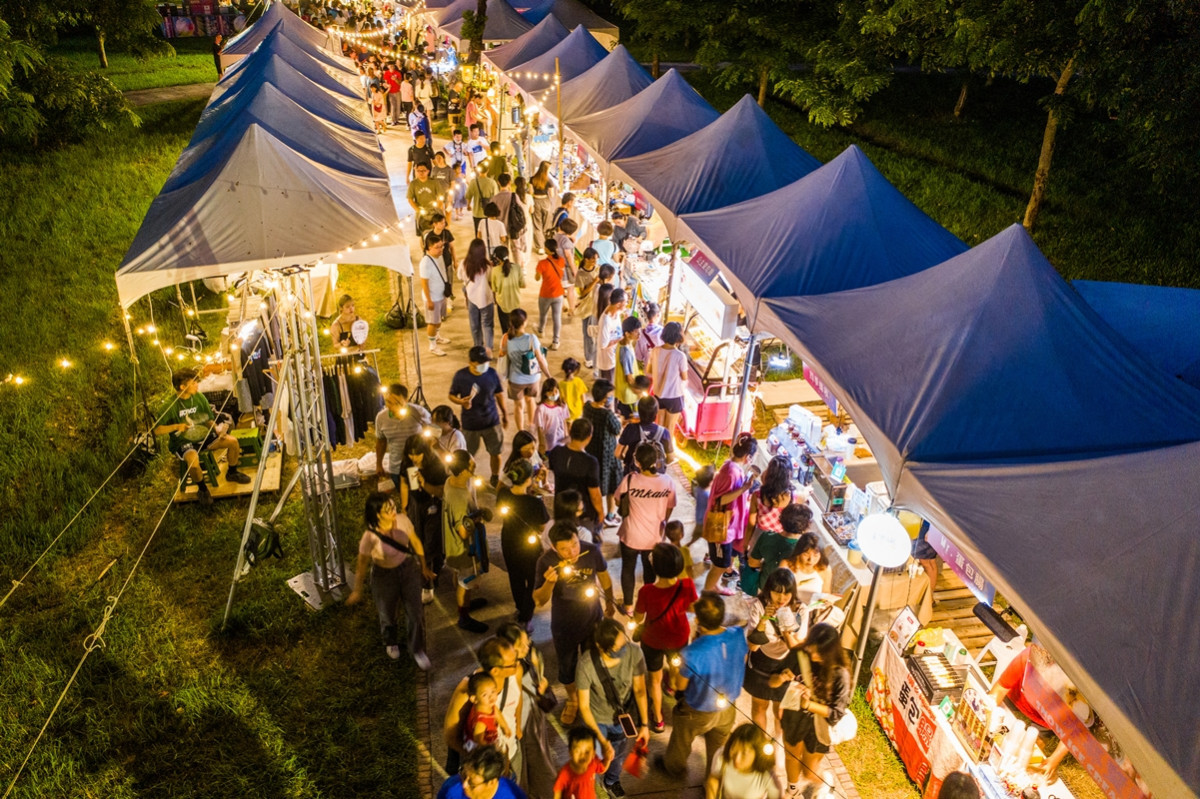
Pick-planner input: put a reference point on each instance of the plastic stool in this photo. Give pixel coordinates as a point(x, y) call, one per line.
point(208, 463)
point(250, 440)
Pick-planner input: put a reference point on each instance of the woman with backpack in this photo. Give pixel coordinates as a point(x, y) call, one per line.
point(645, 500)
point(526, 366)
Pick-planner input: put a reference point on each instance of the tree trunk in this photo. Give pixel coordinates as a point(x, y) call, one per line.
point(100, 49)
point(763, 73)
point(1041, 178)
point(654, 66)
point(962, 99)
point(477, 39)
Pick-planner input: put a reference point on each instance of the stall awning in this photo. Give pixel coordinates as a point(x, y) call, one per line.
point(269, 64)
point(576, 54)
point(1102, 559)
point(262, 206)
point(439, 16)
point(347, 149)
point(572, 13)
point(531, 44)
point(1162, 322)
point(277, 17)
point(742, 154)
point(664, 112)
point(842, 226)
point(986, 357)
point(614, 80)
point(503, 24)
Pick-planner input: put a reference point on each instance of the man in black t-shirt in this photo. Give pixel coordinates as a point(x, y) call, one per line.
point(439, 228)
point(479, 392)
point(572, 577)
point(575, 468)
point(419, 153)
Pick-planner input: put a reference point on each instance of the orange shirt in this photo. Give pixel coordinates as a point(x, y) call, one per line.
point(551, 271)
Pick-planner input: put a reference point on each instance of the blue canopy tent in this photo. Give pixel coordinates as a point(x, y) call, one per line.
point(842, 226)
point(267, 64)
point(614, 80)
point(1162, 322)
point(530, 44)
point(1002, 408)
point(321, 103)
point(306, 60)
point(440, 15)
point(277, 17)
point(576, 54)
point(347, 149)
point(665, 111)
point(503, 24)
point(742, 154)
point(572, 13)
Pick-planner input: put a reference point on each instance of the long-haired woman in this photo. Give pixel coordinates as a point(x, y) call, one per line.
point(480, 300)
point(826, 694)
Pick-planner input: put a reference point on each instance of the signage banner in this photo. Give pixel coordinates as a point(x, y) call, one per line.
point(1105, 771)
point(822, 390)
point(908, 721)
point(967, 571)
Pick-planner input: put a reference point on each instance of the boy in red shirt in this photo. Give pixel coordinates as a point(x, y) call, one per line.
point(577, 779)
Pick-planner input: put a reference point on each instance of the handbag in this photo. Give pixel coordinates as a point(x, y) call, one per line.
point(638, 631)
point(623, 502)
point(716, 525)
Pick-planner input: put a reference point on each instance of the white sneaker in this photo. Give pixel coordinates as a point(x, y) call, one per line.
point(426, 596)
point(442, 339)
point(422, 661)
point(434, 349)
point(588, 364)
point(393, 652)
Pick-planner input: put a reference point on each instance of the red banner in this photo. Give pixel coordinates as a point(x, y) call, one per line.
point(1105, 771)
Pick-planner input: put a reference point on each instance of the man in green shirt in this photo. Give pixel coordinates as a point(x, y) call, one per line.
point(480, 190)
point(425, 195)
point(191, 425)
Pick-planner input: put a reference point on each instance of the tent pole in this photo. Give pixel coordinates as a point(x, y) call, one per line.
point(745, 388)
point(604, 208)
point(417, 396)
point(864, 629)
point(558, 120)
point(670, 282)
point(129, 334)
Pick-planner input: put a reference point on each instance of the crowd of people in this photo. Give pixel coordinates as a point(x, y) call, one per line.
point(577, 457)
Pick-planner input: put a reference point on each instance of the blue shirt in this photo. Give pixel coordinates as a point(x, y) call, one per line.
point(453, 789)
point(605, 249)
point(714, 664)
point(483, 412)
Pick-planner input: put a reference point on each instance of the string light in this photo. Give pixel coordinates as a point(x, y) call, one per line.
point(503, 510)
point(448, 457)
point(479, 482)
point(108, 346)
point(533, 539)
point(64, 363)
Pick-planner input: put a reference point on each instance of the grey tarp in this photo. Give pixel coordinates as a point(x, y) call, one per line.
point(842, 226)
point(1002, 408)
point(741, 155)
point(266, 63)
point(531, 44)
point(614, 80)
point(665, 111)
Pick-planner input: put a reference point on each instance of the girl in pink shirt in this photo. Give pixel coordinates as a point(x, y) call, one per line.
point(651, 500)
point(550, 417)
point(729, 492)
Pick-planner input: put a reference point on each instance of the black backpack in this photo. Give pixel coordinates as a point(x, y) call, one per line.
point(516, 219)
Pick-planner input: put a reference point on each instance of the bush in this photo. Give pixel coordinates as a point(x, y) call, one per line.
point(61, 105)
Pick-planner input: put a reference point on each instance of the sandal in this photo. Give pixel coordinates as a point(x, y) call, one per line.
point(570, 711)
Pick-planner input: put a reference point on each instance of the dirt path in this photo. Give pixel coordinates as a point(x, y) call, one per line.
point(186, 92)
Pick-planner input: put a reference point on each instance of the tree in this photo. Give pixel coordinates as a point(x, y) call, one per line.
point(474, 23)
point(129, 23)
point(19, 119)
point(750, 41)
point(845, 65)
point(658, 24)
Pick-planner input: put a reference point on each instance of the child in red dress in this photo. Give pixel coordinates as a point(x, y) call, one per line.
point(484, 719)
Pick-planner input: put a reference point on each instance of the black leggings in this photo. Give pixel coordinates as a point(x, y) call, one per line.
point(629, 567)
point(522, 572)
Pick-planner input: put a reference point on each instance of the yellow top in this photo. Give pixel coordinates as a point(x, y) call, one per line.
point(574, 392)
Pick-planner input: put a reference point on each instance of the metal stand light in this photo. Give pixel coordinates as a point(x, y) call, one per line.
point(884, 542)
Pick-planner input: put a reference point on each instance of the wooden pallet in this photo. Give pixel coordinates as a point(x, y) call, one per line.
point(953, 609)
point(272, 477)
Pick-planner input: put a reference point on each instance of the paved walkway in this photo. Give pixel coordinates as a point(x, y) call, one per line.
point(451, 649)
point(189, 91)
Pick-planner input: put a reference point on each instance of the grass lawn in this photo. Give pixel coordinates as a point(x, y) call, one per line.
point(192, 63)
point(286, 703)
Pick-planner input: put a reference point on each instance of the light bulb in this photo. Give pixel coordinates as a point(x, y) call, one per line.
point(233, 347)
point(154, 342)
point(503, 510)
point(231, 297)
point(676, 661)
point(141, 331)
point(109, 346)
point(64, 363)
point(169, 351)
point(404, 410)
point(532, 538)
point(325, 331)
point(151, 329)
point(426, 433)
point(768, 748)
point(722, 701)
point(479, 482)
point(566, 570)
point(358, 370)
point(18, 380)
point(447, 458)
point(344, 350)
point(191, 312)
point(631, 625)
